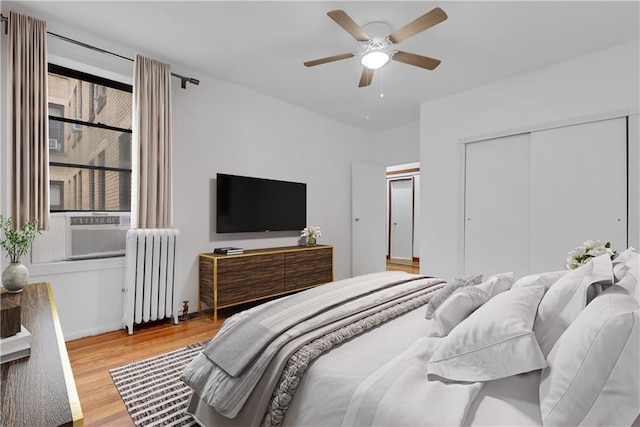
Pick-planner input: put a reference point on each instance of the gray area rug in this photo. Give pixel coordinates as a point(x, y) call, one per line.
point(152, 390)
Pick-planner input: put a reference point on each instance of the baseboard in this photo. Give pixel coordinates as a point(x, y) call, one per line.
point(92, 331)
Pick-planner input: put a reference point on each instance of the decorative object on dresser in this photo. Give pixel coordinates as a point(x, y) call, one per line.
point(40, 390)
point(229, 250)
point(16, 243)
point(10, 318)
point(17, 346)
point(312, 233)
point(149, 291)
point(229, 280)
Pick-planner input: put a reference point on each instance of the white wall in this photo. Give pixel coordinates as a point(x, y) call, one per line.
point(599, 83)
point(217, 127)
point(396, 145)
point(221, 127)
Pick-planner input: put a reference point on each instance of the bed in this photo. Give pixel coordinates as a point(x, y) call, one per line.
point(396, 349)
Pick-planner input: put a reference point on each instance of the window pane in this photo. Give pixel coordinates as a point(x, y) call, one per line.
point(83, 144)
point(90, 102)
point(55, 194)
point(89, 189)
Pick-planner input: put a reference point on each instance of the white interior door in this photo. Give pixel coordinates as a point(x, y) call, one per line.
point(497, 206)
point(368, 195)
point(579, 189)
point(401, 218)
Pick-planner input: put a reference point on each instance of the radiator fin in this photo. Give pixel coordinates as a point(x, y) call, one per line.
point(149, 290)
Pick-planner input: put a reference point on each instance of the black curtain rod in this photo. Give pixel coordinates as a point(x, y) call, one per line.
point(183, 79)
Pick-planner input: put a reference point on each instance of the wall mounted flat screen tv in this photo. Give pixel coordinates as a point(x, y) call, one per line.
point(254, 204)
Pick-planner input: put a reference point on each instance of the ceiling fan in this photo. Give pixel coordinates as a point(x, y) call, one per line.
point(377, 51)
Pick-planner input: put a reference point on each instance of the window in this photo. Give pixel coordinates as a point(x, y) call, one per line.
point(89, 167)
point(56, 194)
point(56, 136)
point(91, 155)
point(99, 96)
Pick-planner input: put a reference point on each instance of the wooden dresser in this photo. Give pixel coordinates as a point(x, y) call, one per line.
point(40, 390)
point(228, 280)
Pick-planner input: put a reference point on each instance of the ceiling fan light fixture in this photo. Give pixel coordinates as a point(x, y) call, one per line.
point(374, 60)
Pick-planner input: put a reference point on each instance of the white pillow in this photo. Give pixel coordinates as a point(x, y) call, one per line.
point(568, 297)
point(455, 309)
point(623, 263)
point(497, 283)
point(495, 341)
point(445, 292)
point(540, 279)
point(629, 283)
point(464, 301)
point(592, 378)
point(625, 271)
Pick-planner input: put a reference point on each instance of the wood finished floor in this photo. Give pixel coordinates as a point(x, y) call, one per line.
point(403, 265)
point(92, 357)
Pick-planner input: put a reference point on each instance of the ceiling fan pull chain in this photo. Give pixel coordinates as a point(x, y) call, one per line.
point(382, 83)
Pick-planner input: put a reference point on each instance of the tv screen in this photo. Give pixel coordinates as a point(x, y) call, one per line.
point(256, 204)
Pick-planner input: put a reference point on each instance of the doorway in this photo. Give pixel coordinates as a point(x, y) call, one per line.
point(401, 218)
point(402, 214)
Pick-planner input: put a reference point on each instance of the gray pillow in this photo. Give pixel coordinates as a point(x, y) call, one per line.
point(445, 292)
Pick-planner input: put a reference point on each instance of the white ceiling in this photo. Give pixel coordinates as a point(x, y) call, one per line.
point(262, 45)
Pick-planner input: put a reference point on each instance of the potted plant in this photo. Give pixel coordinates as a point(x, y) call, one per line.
point(16, 243)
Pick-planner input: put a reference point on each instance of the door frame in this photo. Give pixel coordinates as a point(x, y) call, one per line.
point(390, 182)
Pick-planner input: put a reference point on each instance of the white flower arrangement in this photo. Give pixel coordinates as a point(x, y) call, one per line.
point(312, 233)
point(582, 254)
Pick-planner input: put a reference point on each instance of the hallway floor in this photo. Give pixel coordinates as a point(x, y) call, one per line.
point(403, 265)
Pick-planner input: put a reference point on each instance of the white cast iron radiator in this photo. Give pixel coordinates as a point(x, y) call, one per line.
point(149, 290)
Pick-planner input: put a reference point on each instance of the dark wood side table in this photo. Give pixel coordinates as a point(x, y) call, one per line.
point(39, 390)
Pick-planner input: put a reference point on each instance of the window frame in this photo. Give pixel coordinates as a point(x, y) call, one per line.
point(60, 186)
point(98, 170)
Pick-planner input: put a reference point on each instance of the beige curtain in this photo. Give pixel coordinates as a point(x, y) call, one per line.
point(29, 109)
point(152, 166)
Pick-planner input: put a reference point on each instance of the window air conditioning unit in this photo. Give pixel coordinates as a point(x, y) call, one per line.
point(76, 127)
point(96, 234)
point(54, 144)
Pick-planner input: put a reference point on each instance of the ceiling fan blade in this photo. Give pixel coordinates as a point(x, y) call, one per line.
point(428, 20)
point(329, 59)
point(416, 60)
point(341, 18)
point(366, 77)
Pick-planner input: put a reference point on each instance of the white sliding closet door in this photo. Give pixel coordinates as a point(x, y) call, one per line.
point(497, 206)
point(578, 189)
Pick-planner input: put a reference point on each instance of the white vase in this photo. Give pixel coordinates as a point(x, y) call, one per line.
point(15, 277)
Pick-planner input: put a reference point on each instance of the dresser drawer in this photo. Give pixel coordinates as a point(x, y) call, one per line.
point(308, 268)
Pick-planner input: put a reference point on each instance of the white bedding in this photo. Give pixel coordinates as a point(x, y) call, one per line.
point(321, 398)
point(385, 376)
point(338, 374)
point(387, 295)
point(510, 401)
